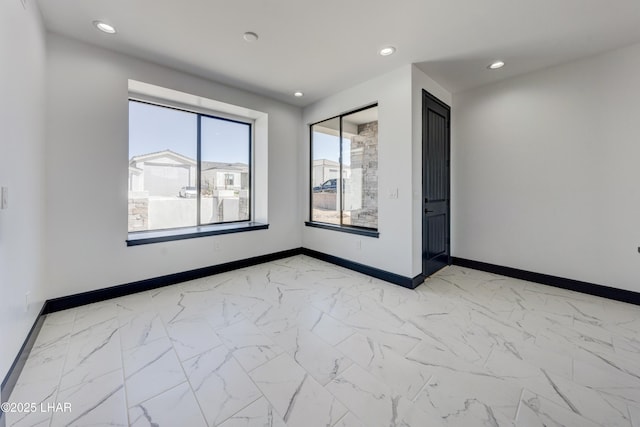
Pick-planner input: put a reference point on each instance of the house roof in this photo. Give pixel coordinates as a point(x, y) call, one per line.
point(159, 154)
point(150, 157)
point(241, 167)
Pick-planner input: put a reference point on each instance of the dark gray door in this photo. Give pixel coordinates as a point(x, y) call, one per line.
point(435, 184)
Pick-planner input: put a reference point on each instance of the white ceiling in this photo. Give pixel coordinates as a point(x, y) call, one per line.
point(322, 47)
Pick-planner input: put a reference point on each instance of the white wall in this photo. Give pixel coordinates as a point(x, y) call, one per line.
point(87, 137)
point(399, 96)
point(22, 73)
point(547, 171)
point(392, 250)
point(419, 82)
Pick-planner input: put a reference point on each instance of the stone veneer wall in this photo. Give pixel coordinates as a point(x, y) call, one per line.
point(367, 139)
point(138, 214)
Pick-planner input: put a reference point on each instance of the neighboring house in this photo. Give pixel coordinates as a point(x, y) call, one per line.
point(224, 176)
point(162, 173)
point(155, 180)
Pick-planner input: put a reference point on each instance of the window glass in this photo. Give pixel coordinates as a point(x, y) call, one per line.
point(163, 187)
point(325, 195)
point(344, 171)
point(225, 171)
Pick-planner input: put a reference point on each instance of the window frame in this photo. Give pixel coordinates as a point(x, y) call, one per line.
point(352, 229)
point(225, 227)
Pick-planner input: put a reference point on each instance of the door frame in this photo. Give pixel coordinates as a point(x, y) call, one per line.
point(427, 95)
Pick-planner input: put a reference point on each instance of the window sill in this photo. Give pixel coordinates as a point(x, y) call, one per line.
point(147, 237)
point(345, 229)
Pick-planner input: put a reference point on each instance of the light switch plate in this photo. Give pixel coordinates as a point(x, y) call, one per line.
point(4, 198)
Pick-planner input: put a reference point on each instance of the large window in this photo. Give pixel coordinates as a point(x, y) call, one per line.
point(344, 170)
point(186, 169)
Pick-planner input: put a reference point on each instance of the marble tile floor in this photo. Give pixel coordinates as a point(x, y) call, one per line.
point(299, 342)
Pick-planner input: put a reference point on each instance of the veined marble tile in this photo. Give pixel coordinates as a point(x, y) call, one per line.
point(498, 329)
point(276, 320)
point(167, 296)
point(338, 307)
point(46, 360)
point(91, 314)
point(251, 306)
point(188, 305)
point(92, 352)
point(559, 364)
point(297, 397)
point(609, 375)
point(535, 411)
point(403, 375)
point(570, 341)
point(140, 328)
point(151, 369)
point(397, 339)
point(38, 392)
point(588, 331)
point(249, 345)
point(99, 401)
point(332, 331)
point(534, 320)
point(61, 317)
point(486, 339)
point(473, 413)
point(589, 403)
point(509, 365)
point(368, 398)
point(388, 295)
point(53, 334)
point(463, 339)
point(318, 358)
point(222, 314)
point(518, 296)
point(175, 407)
point(349, 420)
point(626, 346)
point(434, 354)
point(133, 304)
point(259, 414)
point(320, 291)
point(423, 305)
point(634, 412)
point(192, 337)
point(450, 392)
point(221, 386)
point(552, 291)
point(381, 312)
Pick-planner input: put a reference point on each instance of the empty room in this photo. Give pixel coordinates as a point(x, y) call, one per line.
point(334, 214)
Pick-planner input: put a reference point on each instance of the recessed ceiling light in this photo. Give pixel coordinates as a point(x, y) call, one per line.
point(104, 27)
point(388, 50)
point(495, 65)
point(250, 36)
point(298, 94)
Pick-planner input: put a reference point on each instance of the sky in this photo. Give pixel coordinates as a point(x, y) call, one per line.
point(327, 147)
point(153, 129)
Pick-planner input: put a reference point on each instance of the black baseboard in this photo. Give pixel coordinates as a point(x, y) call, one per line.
point(558, 282)
point(406, 282)
point(76, 300)
point(9, 381)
